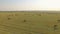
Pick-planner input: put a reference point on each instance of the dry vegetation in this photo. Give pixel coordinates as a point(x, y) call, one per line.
point(29, 23)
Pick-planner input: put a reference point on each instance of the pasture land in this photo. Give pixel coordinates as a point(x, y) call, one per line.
point(29, 23)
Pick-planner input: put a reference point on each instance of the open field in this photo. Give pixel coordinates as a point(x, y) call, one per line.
point(29, 23)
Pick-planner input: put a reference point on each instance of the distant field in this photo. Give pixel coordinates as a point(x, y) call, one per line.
point(29, 23)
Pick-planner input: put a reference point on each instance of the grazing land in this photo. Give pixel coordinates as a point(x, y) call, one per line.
point(29, 22)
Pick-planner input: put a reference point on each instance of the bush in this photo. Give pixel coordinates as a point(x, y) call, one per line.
point(24, 20)
point(9, 18)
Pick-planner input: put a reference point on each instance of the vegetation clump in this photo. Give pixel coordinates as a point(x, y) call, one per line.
point(25, 21)
point(55, 27)
point(58, 20)
point(9, 18)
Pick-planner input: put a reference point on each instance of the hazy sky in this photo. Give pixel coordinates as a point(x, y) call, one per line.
point(29, 5)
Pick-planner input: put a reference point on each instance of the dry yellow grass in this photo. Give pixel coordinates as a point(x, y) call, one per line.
point(29, 23)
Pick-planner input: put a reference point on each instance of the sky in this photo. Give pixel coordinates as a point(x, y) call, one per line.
point(12, 5)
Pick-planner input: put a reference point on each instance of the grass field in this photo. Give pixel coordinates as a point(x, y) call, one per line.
point(29, 23)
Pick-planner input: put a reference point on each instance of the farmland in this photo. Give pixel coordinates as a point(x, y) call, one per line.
point(29, 22)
